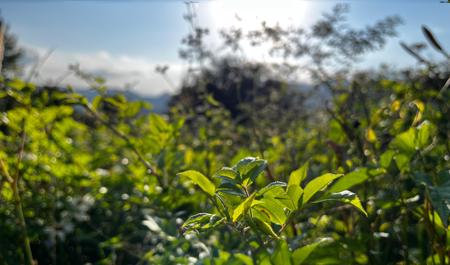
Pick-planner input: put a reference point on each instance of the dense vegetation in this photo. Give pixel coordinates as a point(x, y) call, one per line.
point(245, 168)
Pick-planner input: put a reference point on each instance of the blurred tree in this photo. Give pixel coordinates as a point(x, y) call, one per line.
point(10, 52)
point(241, 87)
point(327, 49)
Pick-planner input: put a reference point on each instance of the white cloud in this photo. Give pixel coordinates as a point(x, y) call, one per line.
point(118, 70)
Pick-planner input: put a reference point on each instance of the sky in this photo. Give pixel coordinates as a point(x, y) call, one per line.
point(125, 40)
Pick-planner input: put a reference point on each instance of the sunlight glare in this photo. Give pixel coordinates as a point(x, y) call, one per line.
point(249, 14)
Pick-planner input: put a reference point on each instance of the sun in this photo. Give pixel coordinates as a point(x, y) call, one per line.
point(249, 14)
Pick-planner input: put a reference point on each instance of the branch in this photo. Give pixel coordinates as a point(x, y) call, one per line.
point(150, 168)
point(5, 171)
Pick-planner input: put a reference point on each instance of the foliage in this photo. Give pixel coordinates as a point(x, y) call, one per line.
point(275, 204)
point(107, 181)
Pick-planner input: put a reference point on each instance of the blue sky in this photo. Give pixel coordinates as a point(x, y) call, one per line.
point(140, 28)
point(128, 38)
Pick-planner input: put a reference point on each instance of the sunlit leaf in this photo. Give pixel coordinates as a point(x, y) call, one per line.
point(294, 190)
point(354, 178)
point(317, 185)
point(279, 194)
point(243, 207)
point(271, 186)
point(420, 109)
point(295, 193)
point(386, 158)
point(424, 131)
point(231, 191)
point(371, 135)
point(405, 142)
point(201, 221)
point(281, 255)
point(227, 172)
point(301, 254)
point(297, 176)
point(244, 258)
point(198, 178)
point(250, 167)
point(261, 213)
point(275, 210)
point(265, 227)
point(345, 197)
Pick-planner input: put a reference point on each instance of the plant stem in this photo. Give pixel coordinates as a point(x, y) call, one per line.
point(130, 144)
point(23, 225)
point(19, 210)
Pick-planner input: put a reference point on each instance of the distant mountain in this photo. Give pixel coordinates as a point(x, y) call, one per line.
point(159, 103)
point(317, 96)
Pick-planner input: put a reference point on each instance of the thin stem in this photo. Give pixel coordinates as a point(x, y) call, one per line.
point(429, 226)
point(404, 217)
point(23, 225)
point(213, 200)
point(224, 207)
point(14, 182)
point(130, 144)
point(19, 211)
point(5, 171)
point(261, 152)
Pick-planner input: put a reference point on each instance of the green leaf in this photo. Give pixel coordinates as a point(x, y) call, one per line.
point(405, 142)
point(371, 136)
point(345, 197)
point(440, 200)
point(297, 176)
point(201, 221)
point(301, 254)
point(294, 189)
point(231, 191)
point(244, 258)
point(96, 102)
point(354, 178)
point(228, 173)
point(16, 84)
point(263, 257)
point(274, 208)
point(439, 194)
point(386, 159)
point(261, 213)
point(279, 194)
point(413, 139)
point(243, 162)
point(230, 182)
point(271, 186)
point(229, 186)
point(250, 167)
point(159, 123)
point(402, 161)
point(424, 131)
point(295, 193)
point(349, 180)
point(281, 255)
point(243, 207)
point(318, 184)
point(198, 178)
point(265, 227)
point(212, 100)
